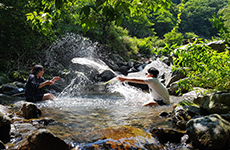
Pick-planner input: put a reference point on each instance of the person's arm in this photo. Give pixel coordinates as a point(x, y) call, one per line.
point(48, 82)
point(122, 79)
point(55, 78)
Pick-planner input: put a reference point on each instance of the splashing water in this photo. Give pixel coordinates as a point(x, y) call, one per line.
point(132, 96)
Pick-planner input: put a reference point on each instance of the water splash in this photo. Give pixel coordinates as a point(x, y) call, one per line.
point(132, 95)
point(73, 46)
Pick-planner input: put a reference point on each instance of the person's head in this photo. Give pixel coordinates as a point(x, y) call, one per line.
point(153, 71)
point(36, 69)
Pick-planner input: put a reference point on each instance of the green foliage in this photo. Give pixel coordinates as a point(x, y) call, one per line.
point(207, 68)
point(222, 23)
point(142, 46)
point(164, 21)
point(19, 44)
point(89, 13)
point(173, 38)
point(196, 15)
point(116, 39)
point(225, 12)
point(190, 35)
point(138, 26)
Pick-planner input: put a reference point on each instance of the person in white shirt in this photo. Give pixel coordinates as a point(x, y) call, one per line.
point(158, 92)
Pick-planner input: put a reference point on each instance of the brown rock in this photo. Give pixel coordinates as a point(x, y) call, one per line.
point(29, 110)
point(42, 139)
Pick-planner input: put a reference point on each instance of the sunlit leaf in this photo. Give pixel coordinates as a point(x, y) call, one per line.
point(119, 20)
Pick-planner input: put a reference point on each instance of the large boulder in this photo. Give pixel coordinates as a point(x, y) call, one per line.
point(185, 111)
point(92, 69)
point(209, 132)
point(42, 139)
point(216, 103)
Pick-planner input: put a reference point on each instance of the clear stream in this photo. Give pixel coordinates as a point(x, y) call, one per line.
point(120, 105)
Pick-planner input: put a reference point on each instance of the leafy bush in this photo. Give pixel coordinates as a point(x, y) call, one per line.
point(207, 68)
point(142, 46)
point(190, 35)
point(173, 38)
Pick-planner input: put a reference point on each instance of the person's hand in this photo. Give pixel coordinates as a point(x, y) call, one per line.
point(49, 82)
point(55, 79)
point(122, 79)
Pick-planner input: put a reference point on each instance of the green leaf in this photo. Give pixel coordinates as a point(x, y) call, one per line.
point(29, 16)
point(119, 21)
point(85, 28)
point(125, 7)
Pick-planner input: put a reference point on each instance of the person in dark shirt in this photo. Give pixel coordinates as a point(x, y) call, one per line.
point(35, 84)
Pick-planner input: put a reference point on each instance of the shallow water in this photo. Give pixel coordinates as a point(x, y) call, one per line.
point(121, 105)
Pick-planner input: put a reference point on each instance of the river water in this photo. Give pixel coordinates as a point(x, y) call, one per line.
point(119, 104)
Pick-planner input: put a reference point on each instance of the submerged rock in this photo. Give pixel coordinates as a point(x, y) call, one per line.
point(121, 137)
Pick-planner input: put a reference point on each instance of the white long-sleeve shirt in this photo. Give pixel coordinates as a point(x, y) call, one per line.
point(157, 90)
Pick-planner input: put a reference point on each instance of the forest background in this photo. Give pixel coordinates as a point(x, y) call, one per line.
point(132, 28)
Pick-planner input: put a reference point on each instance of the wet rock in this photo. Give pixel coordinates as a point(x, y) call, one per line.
point(44, 122)
point(196, 95)
point(167, 135)
point(118, 59)
point(2, 146)
point(185, 111)
point(9, 89)
point(29, 110)
point(21, 129)
point(174, 76)
point(91, 68)
point(163, 114)
point(5, 122)
point(216, 103)
point(209, 132)
point(42, 139)
point(173, 88)
point(107, 75)
point(121, 137)
point(4, 109)
point(6, 99)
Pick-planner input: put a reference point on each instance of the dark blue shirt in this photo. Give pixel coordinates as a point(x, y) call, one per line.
point(32, 85)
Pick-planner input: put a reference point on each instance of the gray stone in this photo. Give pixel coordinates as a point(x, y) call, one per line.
point(209, 132)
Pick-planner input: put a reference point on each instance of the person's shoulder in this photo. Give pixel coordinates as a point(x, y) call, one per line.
point(31, 75)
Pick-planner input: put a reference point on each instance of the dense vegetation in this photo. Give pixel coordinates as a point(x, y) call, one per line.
point(125, 27)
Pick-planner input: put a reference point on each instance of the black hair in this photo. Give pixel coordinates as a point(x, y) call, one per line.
point(36, 69)
point(153, 71)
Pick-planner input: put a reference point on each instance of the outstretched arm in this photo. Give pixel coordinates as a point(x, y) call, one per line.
point(47, 82)
point(122, 79)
